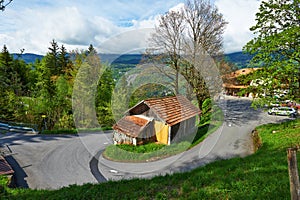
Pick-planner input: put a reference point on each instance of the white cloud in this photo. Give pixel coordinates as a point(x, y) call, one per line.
point(129, 41)
point(241, 16)
point(67, 25)
point(76, 24)
point(176, 8)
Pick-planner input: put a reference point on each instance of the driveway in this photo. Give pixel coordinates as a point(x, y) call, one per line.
point(56, 161)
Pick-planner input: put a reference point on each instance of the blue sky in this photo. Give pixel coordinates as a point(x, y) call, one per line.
point(32, 24)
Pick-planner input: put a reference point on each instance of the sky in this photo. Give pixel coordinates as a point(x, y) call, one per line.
point(112, 26)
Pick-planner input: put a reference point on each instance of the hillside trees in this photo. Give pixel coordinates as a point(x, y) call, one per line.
point(82, 84)
point(41, 92)
point(276, 49)
point(14, 83)
point(103, 98)
point(54, 92)
point(92, 91)
point(187, 39)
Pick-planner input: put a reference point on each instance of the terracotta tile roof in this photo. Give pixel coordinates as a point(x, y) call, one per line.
point(5, 168)
point(173, 109)
point(131, 125)
point(232, 86)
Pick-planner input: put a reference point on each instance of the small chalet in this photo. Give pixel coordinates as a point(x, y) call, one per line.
point(162, 120)
point(231, 84)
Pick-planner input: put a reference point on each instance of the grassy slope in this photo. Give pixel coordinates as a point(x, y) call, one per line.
point(263, 175)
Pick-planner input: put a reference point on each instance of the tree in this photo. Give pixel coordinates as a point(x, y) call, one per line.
point(53, 59)
point(168, 39)
point(205, 27)
point(54, 83)
point(14, 84)
point(121, 98)
point(103, 98)
point(91, 50)
point(63, 59)
point(276, 49)
point(3, 4)
point(187, 39)
point(85, 90)
point(6, 62)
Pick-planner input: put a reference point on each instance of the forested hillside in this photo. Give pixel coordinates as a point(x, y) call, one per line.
point(40, 92)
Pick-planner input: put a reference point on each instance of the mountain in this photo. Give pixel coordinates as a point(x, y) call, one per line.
point(238, 58)
point(132, 59)
point(27, 57)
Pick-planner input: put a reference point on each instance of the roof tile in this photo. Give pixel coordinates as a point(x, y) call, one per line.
point(173, 109)
point(131, 125)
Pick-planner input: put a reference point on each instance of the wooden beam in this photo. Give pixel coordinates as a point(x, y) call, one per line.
point(293, 173)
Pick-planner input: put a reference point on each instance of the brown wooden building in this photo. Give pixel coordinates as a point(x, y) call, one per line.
point(164, 120)
point(231, 84)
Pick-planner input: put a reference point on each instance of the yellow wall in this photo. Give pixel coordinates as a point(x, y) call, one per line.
point(161, 132)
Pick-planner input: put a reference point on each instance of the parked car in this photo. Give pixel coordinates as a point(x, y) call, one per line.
point(286, 111)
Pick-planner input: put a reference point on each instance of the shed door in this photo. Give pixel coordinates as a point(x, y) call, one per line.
point(161, 132)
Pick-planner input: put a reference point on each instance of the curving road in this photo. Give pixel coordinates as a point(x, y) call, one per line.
point(52, 161)
point(56, 161)
point(232, 139)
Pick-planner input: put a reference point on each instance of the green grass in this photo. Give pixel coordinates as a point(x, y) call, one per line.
point(148, 152)
point(263, 175)
point(146, 148)
point(204, 131)
point(209, 123)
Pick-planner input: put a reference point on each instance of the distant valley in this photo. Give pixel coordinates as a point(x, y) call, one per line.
point(240, 59)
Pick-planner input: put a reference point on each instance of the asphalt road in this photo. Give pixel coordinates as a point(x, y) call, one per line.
point(56, 161)
point(52, 162)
